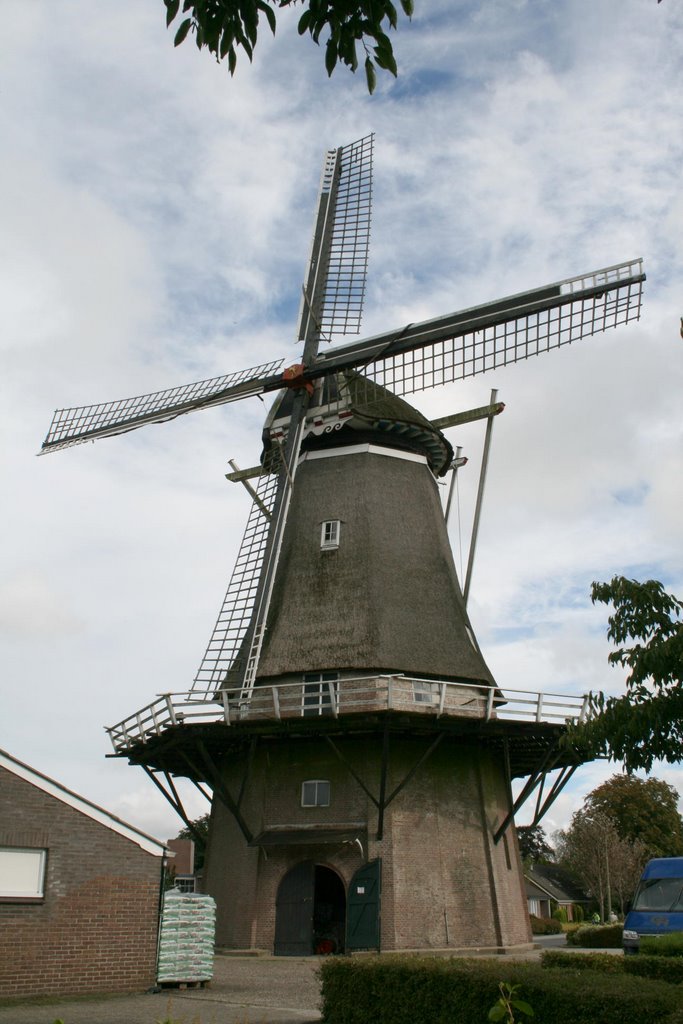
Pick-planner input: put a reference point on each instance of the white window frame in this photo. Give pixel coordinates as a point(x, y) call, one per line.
point(316, 699)
point(330, 530)
point(425, 692)
point(22, 872)
point(321, 797)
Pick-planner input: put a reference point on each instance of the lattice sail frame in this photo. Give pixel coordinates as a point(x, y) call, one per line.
point(225, 650)
point(346, 271)
point(488, 338)
point(334, 286)
point(106, 419)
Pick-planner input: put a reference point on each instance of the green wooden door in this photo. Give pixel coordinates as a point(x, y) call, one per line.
point(363, 907)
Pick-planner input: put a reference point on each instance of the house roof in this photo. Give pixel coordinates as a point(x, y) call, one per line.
point(79, 803)
point(555, 882)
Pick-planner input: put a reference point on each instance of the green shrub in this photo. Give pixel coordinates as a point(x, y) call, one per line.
point(577, 912)
point(421, 990)
point(544, 925)
point(659, 968)
point(662, 945)
point(606, 963)
point(596, 936)
point(560, 914)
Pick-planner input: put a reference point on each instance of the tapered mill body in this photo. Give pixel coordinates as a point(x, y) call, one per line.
point(366, 596)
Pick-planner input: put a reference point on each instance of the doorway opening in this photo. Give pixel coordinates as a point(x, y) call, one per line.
point(329, 911)
point(310, 912)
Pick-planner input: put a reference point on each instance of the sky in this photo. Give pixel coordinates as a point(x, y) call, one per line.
point(156, 220)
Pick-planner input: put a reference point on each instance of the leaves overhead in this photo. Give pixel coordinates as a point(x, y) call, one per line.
point(345, 26)
point(646, 723)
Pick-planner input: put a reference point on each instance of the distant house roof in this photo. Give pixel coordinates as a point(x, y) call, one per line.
point(554, 882)
point(79, 803)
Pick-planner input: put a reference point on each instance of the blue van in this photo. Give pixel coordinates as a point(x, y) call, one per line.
point(657, 906)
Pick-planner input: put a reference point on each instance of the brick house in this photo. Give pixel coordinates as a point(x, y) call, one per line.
point(79, 892)
point(549, 886)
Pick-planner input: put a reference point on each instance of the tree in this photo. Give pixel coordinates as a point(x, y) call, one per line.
point(646, 723)
point(642, 810)
point(533, 844)
point(607, 866)
point(223, 26)
point(199, 833)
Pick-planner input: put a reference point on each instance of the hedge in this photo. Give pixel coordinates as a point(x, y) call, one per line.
point(670, 944)
point(657, 968)
point(605, 936)
point(422, 990)
point(663, 968)
point(606, 963)
point(544, 925)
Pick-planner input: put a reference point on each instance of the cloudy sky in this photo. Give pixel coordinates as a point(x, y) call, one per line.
point(156, 219)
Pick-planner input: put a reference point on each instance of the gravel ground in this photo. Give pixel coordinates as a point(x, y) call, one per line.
point(244, 990)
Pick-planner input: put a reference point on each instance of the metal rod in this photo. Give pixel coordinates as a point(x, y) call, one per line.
point(451, 489)
point(480, 498)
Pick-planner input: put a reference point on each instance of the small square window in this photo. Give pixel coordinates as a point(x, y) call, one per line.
point(329, 535)
point(424, 692)
point(22, 872)
point(315, 793)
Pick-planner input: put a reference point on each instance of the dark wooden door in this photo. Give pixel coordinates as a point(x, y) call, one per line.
point(363, 907)
point(294, 912)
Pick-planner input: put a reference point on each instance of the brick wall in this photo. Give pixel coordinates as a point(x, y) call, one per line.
point(444, 882)
point(96, 928)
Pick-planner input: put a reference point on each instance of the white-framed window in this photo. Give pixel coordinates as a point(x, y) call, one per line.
point(22, 872)
point(320, 695)
point(185, 883)
point(315, 793)
point(329, 534)
point(425, 692)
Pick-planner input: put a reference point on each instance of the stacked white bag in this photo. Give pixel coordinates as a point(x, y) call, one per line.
point(186, 942)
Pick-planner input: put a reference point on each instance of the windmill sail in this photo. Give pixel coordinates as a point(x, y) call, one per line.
point(88, 422)
point(483, 338)
point(238, 605)
point(332, 302)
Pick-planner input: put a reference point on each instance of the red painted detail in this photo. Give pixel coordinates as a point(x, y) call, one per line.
point(293, 377)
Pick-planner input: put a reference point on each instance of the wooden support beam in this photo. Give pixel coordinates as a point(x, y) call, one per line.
point(175, 802)
point(544, 766)
point(483, 412)
point(383, 783)
point(222, 791)
point(347, 764)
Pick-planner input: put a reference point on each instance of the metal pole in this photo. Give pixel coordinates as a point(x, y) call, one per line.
point(456, 465)
point(480, 497)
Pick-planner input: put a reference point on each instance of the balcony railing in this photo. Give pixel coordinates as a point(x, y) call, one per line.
point(361, 695)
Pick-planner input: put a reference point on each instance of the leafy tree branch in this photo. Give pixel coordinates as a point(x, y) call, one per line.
point(345, 26)
point(646, 723)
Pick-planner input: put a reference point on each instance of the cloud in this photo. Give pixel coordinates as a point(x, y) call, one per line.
point(156, 223)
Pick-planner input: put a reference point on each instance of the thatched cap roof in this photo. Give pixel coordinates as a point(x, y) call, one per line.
point(375, 410)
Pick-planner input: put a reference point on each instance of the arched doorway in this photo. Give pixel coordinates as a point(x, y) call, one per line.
point(310, 911)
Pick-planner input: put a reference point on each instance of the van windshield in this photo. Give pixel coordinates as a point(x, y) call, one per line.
point(660, 894)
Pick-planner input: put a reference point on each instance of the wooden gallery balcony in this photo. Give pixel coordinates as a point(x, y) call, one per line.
point(344, 702)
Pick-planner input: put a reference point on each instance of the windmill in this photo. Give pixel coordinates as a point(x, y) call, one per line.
point(357, 750)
